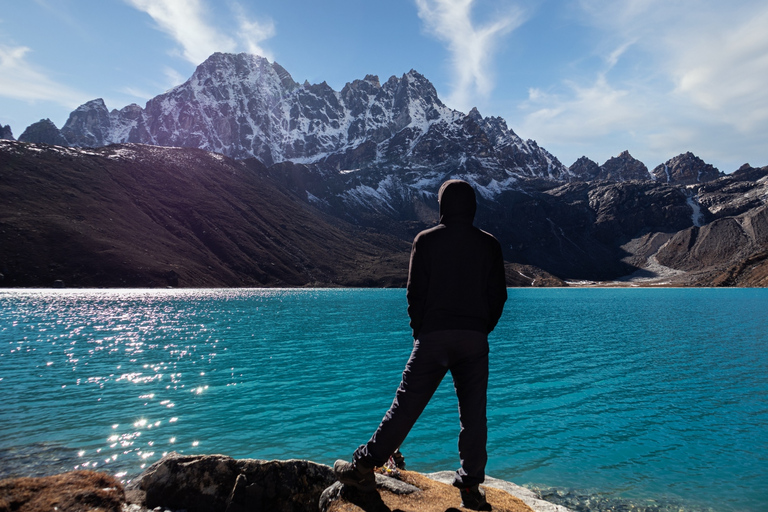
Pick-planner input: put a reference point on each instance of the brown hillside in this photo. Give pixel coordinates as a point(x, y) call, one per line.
point(148, 216)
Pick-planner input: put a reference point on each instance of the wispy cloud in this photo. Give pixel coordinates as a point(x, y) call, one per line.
point(471, 46)
point(675, 76)
point(21, 80)
point(726, 71)
point(173, 77)
point(252, 32)
point(188, 22)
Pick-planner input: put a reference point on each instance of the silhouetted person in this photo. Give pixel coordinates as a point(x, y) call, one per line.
point(456, 294)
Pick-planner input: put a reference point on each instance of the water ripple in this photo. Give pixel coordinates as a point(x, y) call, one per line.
point(639, 393)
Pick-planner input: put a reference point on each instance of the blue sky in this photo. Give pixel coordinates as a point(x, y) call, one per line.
point(580, 77)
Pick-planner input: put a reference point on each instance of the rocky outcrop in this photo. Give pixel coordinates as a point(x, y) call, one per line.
point(208, 483)
point(68, 492)
point(217, 483)
point(211, 483)
point(89, 125)
point(624, 168)
point(736, 193)
point(43, 132)
point(686, 169)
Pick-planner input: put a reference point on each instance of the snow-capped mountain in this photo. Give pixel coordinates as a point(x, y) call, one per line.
point(244, 106)
point(370, 150)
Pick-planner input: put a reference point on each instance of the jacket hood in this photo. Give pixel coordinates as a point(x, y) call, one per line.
point(457, 202)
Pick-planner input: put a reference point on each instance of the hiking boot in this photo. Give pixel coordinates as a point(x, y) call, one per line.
point(398, 459)
point(348, 473)
point(474, 498)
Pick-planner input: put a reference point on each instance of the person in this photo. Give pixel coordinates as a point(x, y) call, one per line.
point(456, 293)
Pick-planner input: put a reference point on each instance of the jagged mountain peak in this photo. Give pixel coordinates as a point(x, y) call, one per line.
point(243, 105)
point(6, 133)
point(685, 169)
point(243, 66)
point(584, 169)
point(624, 167)
point(44, 131)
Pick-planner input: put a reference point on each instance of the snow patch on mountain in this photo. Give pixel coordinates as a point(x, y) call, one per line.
point(244, 106)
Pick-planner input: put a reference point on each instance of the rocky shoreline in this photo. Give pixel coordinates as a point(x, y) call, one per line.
point(197, 483)
point(203, 483)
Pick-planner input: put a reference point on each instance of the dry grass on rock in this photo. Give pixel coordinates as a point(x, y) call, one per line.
point(67, 492)
point(434, 497)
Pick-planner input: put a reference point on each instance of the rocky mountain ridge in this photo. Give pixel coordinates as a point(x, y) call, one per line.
point(243, 106)
point(139, 215)
point(369, 149)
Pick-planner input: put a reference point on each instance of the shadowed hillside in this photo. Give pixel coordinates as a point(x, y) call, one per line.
point(148, 216)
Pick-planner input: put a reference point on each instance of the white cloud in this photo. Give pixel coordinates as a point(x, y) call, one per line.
point(675, 76)
point(252, 32)
point(596, 109)
point(726, 70)
point(471, 46)
point(189, 23)
point(185, 21)
point(20, 80)
point(173, 77)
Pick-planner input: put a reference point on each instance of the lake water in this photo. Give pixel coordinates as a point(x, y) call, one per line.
point(656, 396)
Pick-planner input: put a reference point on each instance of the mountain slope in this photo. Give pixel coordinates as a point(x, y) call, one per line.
point(139, 215)
point(149, 216)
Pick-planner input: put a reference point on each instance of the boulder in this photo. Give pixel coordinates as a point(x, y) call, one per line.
point(205, 483)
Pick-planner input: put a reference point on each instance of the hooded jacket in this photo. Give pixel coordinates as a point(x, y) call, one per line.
point(456, 276)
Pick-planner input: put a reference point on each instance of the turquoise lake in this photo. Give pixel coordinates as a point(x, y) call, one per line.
point(648, 395)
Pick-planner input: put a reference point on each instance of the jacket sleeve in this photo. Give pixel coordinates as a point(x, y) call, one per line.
point(497, 288)
point(418, 282)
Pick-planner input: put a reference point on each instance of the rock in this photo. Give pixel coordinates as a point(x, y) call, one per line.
point(430, 495)
point(718, 245)
point(203, 483)
point(74, 491)
point(527, 496)
point(88, 125)
point(214, 483)
point(736, 193)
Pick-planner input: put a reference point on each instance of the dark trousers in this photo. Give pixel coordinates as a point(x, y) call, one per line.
point(465, 355)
